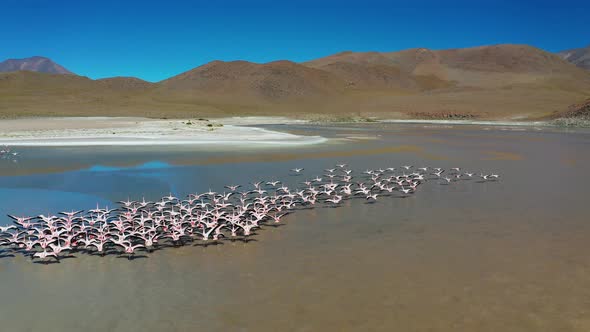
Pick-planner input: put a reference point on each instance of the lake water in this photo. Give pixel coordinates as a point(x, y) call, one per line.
point(510, 255)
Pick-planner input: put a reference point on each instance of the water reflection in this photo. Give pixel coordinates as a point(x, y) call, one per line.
point(146, 166)
point(44, 201)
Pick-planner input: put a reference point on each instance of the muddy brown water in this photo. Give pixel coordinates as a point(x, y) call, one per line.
point(511, 255)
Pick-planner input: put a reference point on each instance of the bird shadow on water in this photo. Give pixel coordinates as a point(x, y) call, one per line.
point(110, 252)
point(67, 257)
point(275, 225)
point(236, 239)
point(170, 245)
point(46, 262)
point(246, 239)
point(132, 258)
point(5, 254)
point(154, 249)
point(207, 244)
point(97, 254)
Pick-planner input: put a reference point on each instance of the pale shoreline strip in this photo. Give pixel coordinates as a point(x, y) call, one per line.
point(469, 122)
point(142, 132)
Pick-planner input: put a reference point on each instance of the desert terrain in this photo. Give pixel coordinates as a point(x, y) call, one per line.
point(500, 82)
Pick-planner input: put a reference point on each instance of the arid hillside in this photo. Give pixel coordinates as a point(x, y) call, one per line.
point(488, 82)
point(580, 111)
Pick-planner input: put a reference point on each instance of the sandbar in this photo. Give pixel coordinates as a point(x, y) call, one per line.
point(121, 131)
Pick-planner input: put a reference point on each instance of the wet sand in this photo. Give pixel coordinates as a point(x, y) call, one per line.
point(504, 256)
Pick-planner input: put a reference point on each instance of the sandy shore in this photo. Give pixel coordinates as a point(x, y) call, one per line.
point(95, 131)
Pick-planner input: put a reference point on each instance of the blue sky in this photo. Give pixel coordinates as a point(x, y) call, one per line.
point(154, 40)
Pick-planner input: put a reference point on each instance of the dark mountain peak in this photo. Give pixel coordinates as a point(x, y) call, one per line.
point(35, 57)
point(35, 63)
point(578, 56)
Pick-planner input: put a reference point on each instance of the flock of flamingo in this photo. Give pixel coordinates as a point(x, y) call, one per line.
point(136, 228)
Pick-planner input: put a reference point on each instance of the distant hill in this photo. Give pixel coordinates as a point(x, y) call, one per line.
point(125, 83)
point(491, 82)
point(579, 57)
point(36, 64)
point(381, 71)
point(272, 81)
point(487, 66)
point(26, 93)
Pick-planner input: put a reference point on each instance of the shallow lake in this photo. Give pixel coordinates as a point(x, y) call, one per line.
point(510, 255)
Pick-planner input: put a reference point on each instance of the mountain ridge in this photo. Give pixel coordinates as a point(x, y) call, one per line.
point(497, 81)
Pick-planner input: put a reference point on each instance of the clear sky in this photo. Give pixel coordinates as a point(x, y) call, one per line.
point(154, 40)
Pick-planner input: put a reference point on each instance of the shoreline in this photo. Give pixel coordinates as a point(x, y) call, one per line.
point(557, 123)
point(102, 131)
point(471, 122)
point(230, 131)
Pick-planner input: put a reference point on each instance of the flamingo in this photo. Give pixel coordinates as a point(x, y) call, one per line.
point(44, 254)
point(130, 249)
point(20, 220)
point(57, 248)
point(372, 197)
point(335, 199)
point(4, 229)
point(126, 203)
point(406, 190)
point(277, 217)
point(233, 187)
point(438, 173)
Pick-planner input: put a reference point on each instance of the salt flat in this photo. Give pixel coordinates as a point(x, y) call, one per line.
point(127, 131)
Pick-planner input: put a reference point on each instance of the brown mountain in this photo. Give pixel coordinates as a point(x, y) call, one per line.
point(495, 82)
point(500, 81)
point(125, 83)
point(381, 71)
point(274, 81)
point(579, 57)
point(473, 67)
point(26, 93)
point(36, 64)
